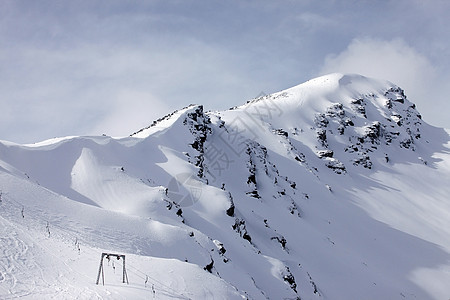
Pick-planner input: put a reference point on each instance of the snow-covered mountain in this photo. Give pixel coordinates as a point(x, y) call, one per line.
point(333, 189)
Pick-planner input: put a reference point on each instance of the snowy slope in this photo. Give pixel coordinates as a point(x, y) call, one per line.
point(333, 189)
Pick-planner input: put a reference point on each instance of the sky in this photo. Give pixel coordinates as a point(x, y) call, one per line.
point(112, 67)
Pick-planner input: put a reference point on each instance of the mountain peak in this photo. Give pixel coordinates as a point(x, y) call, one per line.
point(165, 122)
point(347, 115)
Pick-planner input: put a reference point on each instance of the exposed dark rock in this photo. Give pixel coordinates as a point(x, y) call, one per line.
point(358, 106)
point(363, 161)
point(289, 278)
point(336, 110)
point(321, 121)
point(247, 237)
point(239, 227)
point(254, 194)
point(325, 153)
point(230, 211)
point(322, 137)
point(209, 266)
point(316, 291)
point(406, 143)
point(373, 133)
point(199, 126)
point(337, 166)
point(251, 179)
point(281, 240)
point(281, 132)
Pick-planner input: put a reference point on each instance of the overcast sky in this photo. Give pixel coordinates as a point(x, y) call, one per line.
point(93, 67)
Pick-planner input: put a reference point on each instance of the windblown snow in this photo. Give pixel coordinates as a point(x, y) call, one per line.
point(332, 189)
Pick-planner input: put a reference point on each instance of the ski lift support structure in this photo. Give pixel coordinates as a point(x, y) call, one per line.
point(108, 256)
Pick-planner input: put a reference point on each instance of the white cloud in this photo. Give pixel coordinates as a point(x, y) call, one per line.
point(111, 89)
point(399, 63)
point(128, 112)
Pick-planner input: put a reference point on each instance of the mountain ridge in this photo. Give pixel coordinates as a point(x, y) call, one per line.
point(311, 192)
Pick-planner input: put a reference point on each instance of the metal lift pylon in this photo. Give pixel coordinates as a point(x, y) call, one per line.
point(100, 268)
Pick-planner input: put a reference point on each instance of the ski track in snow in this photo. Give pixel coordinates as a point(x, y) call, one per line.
point(24, 255)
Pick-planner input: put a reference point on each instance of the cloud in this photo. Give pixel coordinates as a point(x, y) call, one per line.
point(392, 60)
point(399, 63)
point(83, 89)
point(128, 112)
